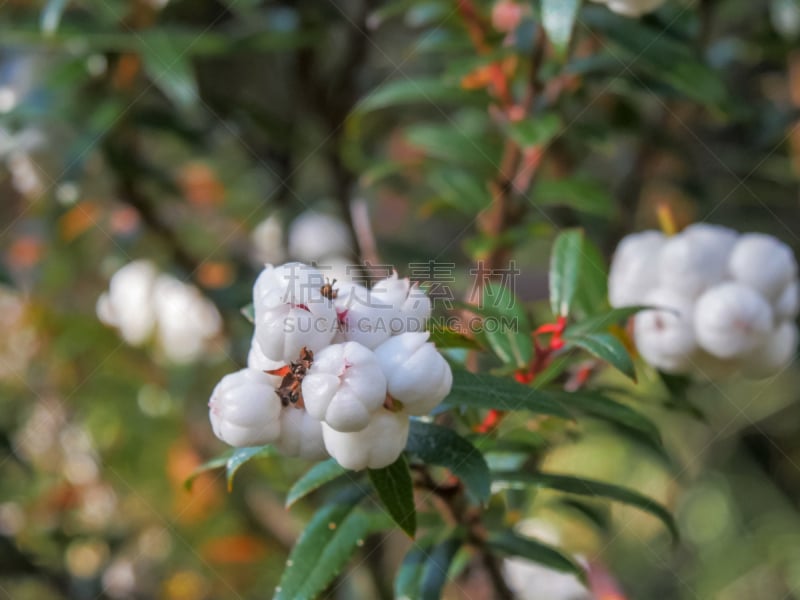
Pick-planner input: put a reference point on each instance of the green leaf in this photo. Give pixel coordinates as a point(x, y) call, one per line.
point(170, 68)
point(531, 549)
point(315, 477)
point(437, 445)
point(434, 576)
point(578, 193)
point(605, 347)
point(411, 91)
point(535, 131)
point(460, 188)
point(455, 145)
point(589, 487)
point(396, 491)
point(215, 463)
point(249, 312)
point(408, 580)
point(51, 15)
point(506, 326)
point(601, 323)
point(564, 269)
point(642, 48)
point(602, 407)
point(488, 392)
point(324, 548)
point(444, 337)
point(558, 19)
point(592, 295)
point(242, 455)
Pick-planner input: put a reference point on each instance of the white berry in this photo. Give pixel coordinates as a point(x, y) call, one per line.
point(291, 311)
point(774, 354)
point(695, 259)
point(632, 8)
point(787, 306)
point(301, 435)
point(731, 319)
point(763, 263)
point(362, 318)
point(344, 386)
point(665, 338)
point(411, 304)
point(245, 410)
point(416, 374)
point(256, 360)
point(376, 446)
point(128, 303)
point(633, 270)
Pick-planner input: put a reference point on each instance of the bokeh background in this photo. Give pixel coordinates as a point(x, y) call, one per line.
point(192, 134)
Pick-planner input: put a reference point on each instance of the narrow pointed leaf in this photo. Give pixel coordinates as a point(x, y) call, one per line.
point(437, 445)
point(324, 548)
point(531, 549)
point(606, 347)
point(396, 491)
point(249, 312)
point(408, 580)
point(315, 477)
point(601, 323)
point(509, 331)
point(215, 463)
point(589, 487)
point(437, 565)
point(564, 270)
point(242, 455)
point(487, 392)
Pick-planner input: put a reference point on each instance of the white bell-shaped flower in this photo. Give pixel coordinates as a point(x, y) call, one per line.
point(731, 319)
point(256, 360)
point(267, 240)
point(633, 270)
point(417, 374)
point(315, 235)
point(774, 353)
point(245, 410)
point(376, 446)
point(363, 318)
point(301, 435)
point(128, 304)
point(344, 386)
point(665, 336)
point(411, 305)
point(695, 259)
point(764, 263)
point(292, 311)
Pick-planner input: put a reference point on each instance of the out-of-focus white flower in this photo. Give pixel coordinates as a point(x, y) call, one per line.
point(764, 263)
point(774, 353)
point(314, 236)
point(665, 337)
point(376, 446)
point(245, 410)
point(695, 259)
point(416, 374)
point(634, 269)
point(731, 319)
point(292, 312)
point(267, 240)
point(301, 435)
point(186, 319)
point(788, 304)
point(411, 304)
point(344, 386)
point(128, 304)
point(632, 8)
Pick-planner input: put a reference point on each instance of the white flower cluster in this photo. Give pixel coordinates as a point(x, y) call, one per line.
point(332, 370)
point(632, 8)
point(728, 302)
point(142, 303)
